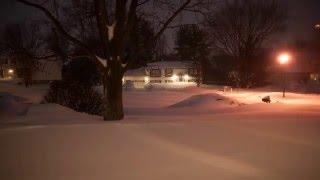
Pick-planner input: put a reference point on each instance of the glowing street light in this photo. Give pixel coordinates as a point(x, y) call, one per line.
point(10, 71)
point(317, 26)
point(284, 59)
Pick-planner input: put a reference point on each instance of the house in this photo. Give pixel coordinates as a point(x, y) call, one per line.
point(6, 69)
point(47, 70)
point(163, 74)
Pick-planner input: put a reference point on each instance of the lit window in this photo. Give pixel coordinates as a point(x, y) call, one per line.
point(314, 77)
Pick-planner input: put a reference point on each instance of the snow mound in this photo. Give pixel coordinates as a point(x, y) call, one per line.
point(51, 114)
point(206, 100)
point(11, 105)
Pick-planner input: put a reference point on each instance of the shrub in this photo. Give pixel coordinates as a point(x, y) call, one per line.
point(83, 71)
point(237, 79)
point(76, 96)
point(234, 78)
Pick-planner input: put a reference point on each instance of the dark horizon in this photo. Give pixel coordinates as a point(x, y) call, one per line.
point(302, 16)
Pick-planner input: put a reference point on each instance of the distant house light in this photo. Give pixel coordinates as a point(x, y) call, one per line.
point(186, 77)
point(174, 77)
point(146, 79)
point(314, 77)
point(10, 71)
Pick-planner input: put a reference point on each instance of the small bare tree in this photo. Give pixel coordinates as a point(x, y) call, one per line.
point(239, 28)
point(114, 20)
point(24, 44)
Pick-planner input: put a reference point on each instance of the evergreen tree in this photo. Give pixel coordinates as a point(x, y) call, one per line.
point(141, 47)
point(191, 45)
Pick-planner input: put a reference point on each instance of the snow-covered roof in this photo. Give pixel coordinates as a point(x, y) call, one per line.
point(171, 64)
point(136, 72)
point(159, 64)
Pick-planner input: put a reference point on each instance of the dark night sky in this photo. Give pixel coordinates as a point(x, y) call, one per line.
point(303, 14)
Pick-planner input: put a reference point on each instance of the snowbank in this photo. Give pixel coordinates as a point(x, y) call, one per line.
point(11, 106)
point(206, 101)
point(33, 94)
point(52, 114)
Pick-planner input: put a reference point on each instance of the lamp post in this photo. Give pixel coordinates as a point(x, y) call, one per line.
point(283, 60)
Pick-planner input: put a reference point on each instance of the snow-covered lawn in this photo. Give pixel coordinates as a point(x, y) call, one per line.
point(195, 133)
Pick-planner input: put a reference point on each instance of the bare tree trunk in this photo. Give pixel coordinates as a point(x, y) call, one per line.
point(1, 72)
point(27, 77)
point(199, 74)
point(121, 25)
point(204, 69)
point(113, 97)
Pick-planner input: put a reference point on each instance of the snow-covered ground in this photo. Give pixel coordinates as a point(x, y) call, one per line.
point(195, 133)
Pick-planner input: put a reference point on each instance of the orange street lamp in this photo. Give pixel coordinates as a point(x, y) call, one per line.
point(283, 59)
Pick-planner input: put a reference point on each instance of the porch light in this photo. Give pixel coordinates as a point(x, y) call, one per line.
point(146, 79)
point(174, 77)
point(186, 77)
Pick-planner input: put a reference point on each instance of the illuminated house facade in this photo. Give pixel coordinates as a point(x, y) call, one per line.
point(164, 74)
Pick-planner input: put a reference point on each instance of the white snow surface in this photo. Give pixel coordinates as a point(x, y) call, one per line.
point(178, 134)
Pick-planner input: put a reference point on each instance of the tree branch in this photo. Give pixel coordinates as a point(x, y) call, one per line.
point(131, 16)
point(170, 19)
point(61, 29)
point(44, 57)
point(142, 3)
point(102, 20)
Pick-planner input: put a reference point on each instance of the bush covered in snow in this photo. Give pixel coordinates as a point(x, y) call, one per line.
point(75, 96)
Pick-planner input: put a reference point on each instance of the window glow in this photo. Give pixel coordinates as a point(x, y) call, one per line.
point(174, 77)
point(186, 77)
point(146, 79)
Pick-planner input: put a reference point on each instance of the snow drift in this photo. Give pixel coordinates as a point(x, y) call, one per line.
point(11, 105)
